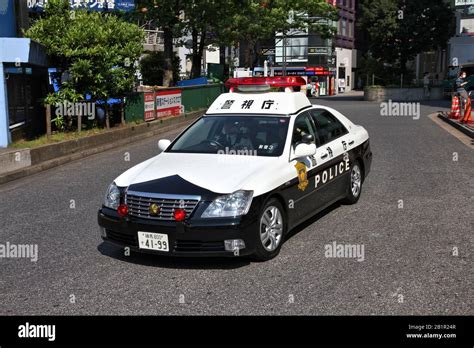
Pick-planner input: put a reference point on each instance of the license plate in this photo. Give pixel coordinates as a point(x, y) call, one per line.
point(153, 241)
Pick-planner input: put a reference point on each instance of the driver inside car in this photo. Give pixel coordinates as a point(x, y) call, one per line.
point(234, 136)
point(228, 135)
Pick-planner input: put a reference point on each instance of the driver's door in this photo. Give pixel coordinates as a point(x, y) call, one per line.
point(301, 192)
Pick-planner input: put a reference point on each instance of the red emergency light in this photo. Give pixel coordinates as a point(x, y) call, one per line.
point(270, 82)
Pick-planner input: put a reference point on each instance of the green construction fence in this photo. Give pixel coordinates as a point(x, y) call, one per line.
point(192, 98)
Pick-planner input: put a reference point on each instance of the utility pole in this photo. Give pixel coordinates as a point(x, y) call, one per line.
point(284, 54)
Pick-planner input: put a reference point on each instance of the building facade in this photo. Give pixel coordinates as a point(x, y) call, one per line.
point(346, 53)
point(301, 53)
point(461, 46)
point(330, 62)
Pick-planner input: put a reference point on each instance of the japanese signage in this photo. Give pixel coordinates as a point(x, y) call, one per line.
point(291, 72)
point(318, 50)
point(168, 103)
point(309, 71)
point(249, 104)
point(94, 5)
point(7, 18)
point(149, 105)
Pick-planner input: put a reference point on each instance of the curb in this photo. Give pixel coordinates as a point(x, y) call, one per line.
point(40, 165)
point(459, 126)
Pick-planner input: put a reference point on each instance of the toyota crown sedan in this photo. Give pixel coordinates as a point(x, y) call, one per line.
point(238, 179)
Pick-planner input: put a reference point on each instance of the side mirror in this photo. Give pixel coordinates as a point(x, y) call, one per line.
point(163, 144)
point(304, 150)
point(308, 139)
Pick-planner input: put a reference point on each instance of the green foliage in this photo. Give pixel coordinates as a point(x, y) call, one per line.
point(398, 30)
point(229, 22)
point(259, 19)
point(255, 20)
point(161, 13)
point(98, 50)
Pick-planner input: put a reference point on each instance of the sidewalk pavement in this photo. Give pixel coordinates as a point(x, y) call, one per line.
point(349, 95)
point(18, 163)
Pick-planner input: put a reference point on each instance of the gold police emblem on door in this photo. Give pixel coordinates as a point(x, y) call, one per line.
point(154, 209)
point(302, 176)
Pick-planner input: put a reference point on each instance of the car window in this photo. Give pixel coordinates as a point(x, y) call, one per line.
point(328, 127)
point(301, 127)
point(233, 134)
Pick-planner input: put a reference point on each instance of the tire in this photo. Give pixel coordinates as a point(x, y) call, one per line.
point(354, 188)
point(267, 247)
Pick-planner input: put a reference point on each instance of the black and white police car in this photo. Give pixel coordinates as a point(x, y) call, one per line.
point(234, 182)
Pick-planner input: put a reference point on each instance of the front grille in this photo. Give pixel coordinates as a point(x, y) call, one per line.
point(190, 246)
point(127, 239)
point(139, 203)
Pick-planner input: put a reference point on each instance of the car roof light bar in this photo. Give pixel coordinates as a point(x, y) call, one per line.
point(260, 84)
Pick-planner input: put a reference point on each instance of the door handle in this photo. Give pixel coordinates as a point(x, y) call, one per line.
point(324, 156)
point(351, 142)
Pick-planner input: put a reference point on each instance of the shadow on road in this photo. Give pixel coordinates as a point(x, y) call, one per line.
point(442, 103)
point(311, 220)
point(170, 261)
point(198, 262)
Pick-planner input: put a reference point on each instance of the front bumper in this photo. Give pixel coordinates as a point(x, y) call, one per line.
point(201, 238)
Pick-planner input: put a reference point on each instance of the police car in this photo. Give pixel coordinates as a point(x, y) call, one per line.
point(257, 164)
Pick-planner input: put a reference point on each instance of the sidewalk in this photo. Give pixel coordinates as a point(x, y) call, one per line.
point(350, 95)
point(18, 163)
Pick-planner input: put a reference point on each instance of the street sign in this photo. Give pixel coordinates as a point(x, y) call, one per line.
point(267, 51)
point(92, 5)
point(149, 106)
point(318, 50)
point(168, 103)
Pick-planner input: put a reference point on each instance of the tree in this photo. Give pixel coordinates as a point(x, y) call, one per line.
point(164, 14)
point(206, 22)
point(260, 19)
point(225, 23)
point(398, 30)
point(98, 50)
point(151, 67)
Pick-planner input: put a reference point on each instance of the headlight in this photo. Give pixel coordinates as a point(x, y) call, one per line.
point(112, 197)
point(234, 204)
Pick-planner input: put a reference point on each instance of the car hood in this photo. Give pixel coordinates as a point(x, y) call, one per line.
point(216, 173)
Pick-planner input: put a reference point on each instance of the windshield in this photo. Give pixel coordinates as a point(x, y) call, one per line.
point(234, 135)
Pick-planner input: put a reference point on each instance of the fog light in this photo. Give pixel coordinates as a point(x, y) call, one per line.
point(234, 244)
point(122, 210)
point(102, 232)
point(179, 214)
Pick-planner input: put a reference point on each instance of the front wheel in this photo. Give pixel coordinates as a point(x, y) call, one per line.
point(271, 231)
point(355, 184)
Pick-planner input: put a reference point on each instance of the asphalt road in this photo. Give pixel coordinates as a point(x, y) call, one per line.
point(409, 266)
